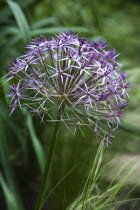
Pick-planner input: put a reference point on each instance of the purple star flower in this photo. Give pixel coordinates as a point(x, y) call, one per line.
point(77, 78)
point(123, 105)
point(16, 95)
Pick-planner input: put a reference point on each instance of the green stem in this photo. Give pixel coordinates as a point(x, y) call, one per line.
point(48, 167)
point(129, 128)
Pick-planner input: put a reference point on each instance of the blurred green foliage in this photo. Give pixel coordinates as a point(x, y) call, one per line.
point(24, 142)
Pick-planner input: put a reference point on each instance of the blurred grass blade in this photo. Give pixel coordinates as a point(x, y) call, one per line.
point(53, 30)
point(93, 173)
point(44, 22)
point(35, 141)
point(125, 199)
point(20, 19)
point(5, 13)
point(129, 128)
point(122, 169)
point(104, 200)
point(9, 196)
point(113, 191)
point(4, 115)
point(8, 30)
point(75, 203)
point(116, 205)
point(123, 181)
point(7, 171)
point(83, 200)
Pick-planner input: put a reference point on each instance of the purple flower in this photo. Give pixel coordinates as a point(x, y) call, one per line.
point(123, 105)
point(74, 77)
point(16, 95)
point(103, 96)
point(106, 141)
point(123, 76)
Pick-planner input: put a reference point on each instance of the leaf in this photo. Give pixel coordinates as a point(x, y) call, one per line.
point(53, 30)
point(9, 30)
point(44, 22)
point(10, 189)
point(5, 13)
point(35, 141)
point(4, 115)
point(93, 175)
point(20, 19)
point(9, 196)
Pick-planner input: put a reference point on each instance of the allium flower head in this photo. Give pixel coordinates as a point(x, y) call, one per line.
point(71, 76)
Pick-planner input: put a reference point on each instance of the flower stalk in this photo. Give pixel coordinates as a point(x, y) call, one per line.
point(49, 163)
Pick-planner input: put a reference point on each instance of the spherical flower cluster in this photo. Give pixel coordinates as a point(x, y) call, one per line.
point(71, 76)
